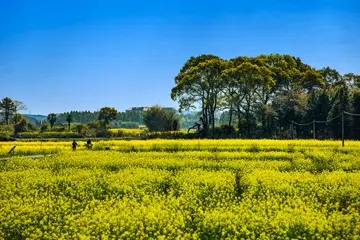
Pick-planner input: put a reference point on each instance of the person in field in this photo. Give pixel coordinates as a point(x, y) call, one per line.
point(89, 144)
point(74, 144)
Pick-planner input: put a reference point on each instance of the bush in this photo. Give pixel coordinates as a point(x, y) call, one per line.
point(171, 135)
point(50, 135)
point(93, 125)
point(126, 132)
point(129, 125)
point(44, 127)
point(158, 119)
point(225, 131)
point(21, 125)
point(32, 127)
point(103, 134)
point(5, 137)
point(6, 128)
point(80, 128)
point(59, 128)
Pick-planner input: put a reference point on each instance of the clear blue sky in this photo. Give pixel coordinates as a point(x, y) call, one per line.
point(58, 56)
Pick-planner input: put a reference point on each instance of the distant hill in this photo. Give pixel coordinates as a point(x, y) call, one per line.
point(35, 119)
point(42, 117)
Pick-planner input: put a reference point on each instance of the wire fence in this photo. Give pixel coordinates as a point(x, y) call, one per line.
point(314, 128)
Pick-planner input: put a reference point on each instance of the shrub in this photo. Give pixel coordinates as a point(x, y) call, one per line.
point(157, 118)
point(50, 135)
point(44, 127)
point(93, 125)
point(225, 131)
point(129, 125)
point(20, 125)
point(103, 134)
point(80, 128)
point(32, 127)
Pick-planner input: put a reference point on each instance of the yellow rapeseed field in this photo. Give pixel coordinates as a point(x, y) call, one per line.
point(184, 189)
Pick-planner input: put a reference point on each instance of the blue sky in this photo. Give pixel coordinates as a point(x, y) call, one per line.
point(58, 56)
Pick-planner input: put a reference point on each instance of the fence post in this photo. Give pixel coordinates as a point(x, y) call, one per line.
point(314, 129)
point(12, 150)
point(342, 128)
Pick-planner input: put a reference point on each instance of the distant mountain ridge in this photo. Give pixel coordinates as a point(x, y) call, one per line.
point(36, 116)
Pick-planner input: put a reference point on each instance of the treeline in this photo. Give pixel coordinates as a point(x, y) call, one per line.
point(261, 96)
point(78, 116)
point(71, 124)
point(129, 116)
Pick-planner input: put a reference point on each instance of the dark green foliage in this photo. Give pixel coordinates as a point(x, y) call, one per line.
point(225, 131)
point(340, 103)
point(129, 125)
point(78, 116)
point(69, 119)
point(81, 128)
point(44, 127)
point(188, 119)
point(355, 129)
point(93, 124)
point(8, 108)
point(20, 124)
point(158, 119)
point(103, 134)
point(131, 115)
point(52, 119)
point(107, 114)
point(33, 127)
point(264, 95)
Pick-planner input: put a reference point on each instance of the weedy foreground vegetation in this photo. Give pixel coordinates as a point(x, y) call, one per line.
point(185, 189)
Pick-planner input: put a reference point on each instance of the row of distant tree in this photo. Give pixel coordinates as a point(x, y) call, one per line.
point(131, 118)
point(262, 95)
point(155, 118)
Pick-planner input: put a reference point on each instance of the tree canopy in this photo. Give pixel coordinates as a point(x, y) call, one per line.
point(9, 107)
point(52, 119)
point(263, 94)
point(157, 118)
point(107, 114)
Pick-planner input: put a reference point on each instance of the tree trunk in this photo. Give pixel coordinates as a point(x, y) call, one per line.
point(239, 123)
point(7, 117)
point(247, 112)
point(230, 115)
point(263, 121)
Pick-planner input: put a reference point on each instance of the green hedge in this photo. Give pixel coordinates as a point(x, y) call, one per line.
point(49, 135)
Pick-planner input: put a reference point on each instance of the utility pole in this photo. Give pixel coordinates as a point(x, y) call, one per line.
point(314, 136)
point(342, 128)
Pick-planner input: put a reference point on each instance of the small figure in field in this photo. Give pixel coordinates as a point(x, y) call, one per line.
point(89, 144)
point(74, 144)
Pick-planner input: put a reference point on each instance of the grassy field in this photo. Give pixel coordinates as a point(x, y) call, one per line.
point(186, 189)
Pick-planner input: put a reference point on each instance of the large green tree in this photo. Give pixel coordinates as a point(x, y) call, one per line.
point(199, 84)
point(267, 93)
point(355, 130)
point(52, 119)
point(157, 118)
point(247, 80)
point(69, 119)
point(107, 114)
point(20, 123)
point(7, 109)
point(340, 103)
